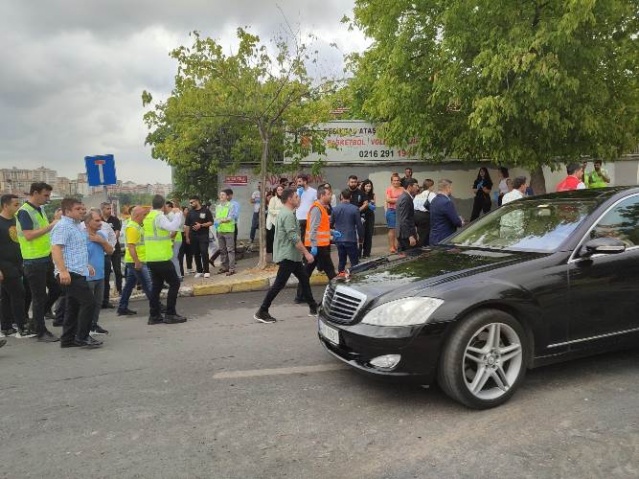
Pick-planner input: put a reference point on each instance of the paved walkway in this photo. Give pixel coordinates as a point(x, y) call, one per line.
point(248, 278)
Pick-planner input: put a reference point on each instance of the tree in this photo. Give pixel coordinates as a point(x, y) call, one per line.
point(227, 109)
point(528, 83)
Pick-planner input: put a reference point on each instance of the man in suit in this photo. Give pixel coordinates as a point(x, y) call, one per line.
point(444, 219)
point(405, 226)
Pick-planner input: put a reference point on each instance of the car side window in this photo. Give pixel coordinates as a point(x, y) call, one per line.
point(621, 222)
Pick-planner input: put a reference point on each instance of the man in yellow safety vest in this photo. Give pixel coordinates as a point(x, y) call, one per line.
point(159, 252)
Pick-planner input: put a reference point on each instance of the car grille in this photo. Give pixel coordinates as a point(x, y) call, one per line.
point(341, 303)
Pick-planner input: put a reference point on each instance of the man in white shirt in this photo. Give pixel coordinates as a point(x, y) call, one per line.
point(307, 196)
point(518, 191)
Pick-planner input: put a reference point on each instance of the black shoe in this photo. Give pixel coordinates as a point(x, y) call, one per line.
point(57, 324)
point(8, 332)
point(313, 311)
point(126, 312)
point(88, 343)
point(48, 337)
point(99, 330)
point(264, 317)
point(72, 344)
point(155, 320)
point(25, 333)
point(174, 318)
point(299, 301)
point(93, 341)
point(108, 306)
point(49, 315)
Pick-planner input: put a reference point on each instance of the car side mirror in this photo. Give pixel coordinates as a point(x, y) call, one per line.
point(604, 246)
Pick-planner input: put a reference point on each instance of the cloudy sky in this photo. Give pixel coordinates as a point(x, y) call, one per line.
point(73, 70)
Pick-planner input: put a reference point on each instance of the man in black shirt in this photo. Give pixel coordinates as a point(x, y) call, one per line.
point(11, 286)
point(357, 196)
point(198, 222)
point(114, 261)
point(408, 174)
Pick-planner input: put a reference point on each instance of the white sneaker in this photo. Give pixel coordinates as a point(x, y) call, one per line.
point(207, 275)
point(198, 275)
point(189, 271)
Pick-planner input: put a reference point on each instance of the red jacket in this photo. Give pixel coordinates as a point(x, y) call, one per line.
point(571, 182)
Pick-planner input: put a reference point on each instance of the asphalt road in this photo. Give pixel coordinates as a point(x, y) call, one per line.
point(225, 397)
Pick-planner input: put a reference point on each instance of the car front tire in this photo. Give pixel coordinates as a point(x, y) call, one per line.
point(484, 360)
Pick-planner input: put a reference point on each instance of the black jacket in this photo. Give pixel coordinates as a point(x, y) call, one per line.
point(405, 225)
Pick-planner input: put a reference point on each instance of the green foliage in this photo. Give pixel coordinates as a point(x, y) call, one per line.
point(526, 83)
point(247, 107)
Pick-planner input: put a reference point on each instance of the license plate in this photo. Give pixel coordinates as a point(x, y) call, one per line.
point(329, 333)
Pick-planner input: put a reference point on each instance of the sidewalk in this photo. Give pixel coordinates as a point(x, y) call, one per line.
point(248, 278)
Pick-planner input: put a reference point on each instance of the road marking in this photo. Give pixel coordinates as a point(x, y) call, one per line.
point(254, 373)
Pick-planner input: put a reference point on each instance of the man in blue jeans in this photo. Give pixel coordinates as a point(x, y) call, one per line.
point(347, 220)
point(97, 246)
point(134, 258)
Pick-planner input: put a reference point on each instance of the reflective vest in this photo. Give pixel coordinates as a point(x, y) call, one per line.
point(222, 211)
point(157, 241)
point(140, 249)
point(323, 234)
point(595, 180)
point(569, 183)
point(39, 247)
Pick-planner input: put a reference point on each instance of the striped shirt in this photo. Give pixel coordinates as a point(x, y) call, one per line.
point(66, 233)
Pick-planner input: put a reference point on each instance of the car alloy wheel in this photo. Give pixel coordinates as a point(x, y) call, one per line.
point(484, 361)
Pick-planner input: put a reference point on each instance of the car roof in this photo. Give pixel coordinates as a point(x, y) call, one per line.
point(599, 195)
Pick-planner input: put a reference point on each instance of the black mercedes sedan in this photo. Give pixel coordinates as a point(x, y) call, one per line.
point(537, 281)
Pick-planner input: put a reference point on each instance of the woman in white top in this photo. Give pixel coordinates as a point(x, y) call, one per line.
point(274, 207)
point(421, 202)
point(503, 185)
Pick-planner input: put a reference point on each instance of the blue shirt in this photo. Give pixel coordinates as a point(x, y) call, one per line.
point(96, 256)
point(66, 233)
point(444, 219)
point(347, 220)
point(234, 210)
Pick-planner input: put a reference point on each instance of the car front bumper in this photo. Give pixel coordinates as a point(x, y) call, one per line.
point(358, 344)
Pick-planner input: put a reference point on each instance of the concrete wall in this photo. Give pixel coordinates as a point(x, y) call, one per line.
point(622, 172)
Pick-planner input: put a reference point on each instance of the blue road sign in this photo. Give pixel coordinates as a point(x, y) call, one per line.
point(100, 170)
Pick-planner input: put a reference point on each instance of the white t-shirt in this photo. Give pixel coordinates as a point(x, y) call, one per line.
point(511, 196)
point(306, 201)
point(420, 200)
point(256, 197)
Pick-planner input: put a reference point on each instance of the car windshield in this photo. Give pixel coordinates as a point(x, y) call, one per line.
point(533, 225)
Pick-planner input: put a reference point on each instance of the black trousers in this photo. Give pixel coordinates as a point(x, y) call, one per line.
point(270, 239)
point(162, 271)
point(112, 263)
point(422, 222)
point(286, 269)
point(80, 309)
point(369, 229)
point(40, 277)
point(323, 262)
point(481, 203)
point(200, 250)
point(13, 294)
point(185, 250)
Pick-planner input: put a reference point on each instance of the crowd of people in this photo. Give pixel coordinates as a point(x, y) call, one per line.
point(67, 262)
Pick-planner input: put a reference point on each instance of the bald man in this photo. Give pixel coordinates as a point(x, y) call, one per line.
point(135, 260)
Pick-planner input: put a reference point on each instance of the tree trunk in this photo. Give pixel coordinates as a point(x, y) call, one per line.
point(537, 181)
point(263, 174)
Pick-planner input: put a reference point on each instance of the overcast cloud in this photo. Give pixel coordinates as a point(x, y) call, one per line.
point(73, 70)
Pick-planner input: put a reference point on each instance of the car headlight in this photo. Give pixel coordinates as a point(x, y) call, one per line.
point(403, 312)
